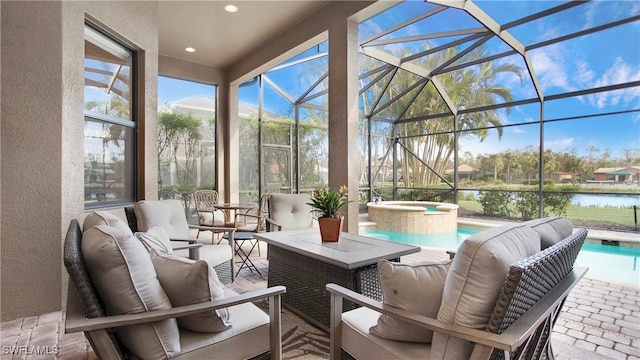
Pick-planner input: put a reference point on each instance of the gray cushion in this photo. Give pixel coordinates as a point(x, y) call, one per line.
point(361, 344)
point(166, 213)
point(416, 288)
point(124, 277)
point(551, 230)
point(189, 282)
point(474, 281)
point(96, 218)
point(291, 211)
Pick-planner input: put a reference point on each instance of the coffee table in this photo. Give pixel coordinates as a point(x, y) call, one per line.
point(299, 260)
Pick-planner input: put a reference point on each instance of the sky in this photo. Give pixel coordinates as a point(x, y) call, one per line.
point(598, 59)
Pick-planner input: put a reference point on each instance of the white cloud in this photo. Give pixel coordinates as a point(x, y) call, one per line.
point(559, 144)
point(550, 68)
point(620, 72)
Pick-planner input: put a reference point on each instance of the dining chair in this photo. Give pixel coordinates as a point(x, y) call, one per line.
point(254, 220)
point(208, 214)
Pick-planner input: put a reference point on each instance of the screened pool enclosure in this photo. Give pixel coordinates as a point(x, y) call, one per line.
point(513, 109)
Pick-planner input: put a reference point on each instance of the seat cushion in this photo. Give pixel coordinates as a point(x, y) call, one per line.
point(96, 218)
point(247, 338)
point(361, 344)
point(474, 281)
point(124, 278)
point(166, 213)
point(416, 288)
point(155, 238)
point(551, 230)
point(291, 211)
point(189, 282)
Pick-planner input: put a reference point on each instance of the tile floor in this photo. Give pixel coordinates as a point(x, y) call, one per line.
point(599, 320)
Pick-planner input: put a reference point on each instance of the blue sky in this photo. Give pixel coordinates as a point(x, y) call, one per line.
point(599, 59)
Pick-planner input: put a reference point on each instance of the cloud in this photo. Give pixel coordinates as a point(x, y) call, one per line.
point(550, 68)
point(620, 72)
point(559, 144)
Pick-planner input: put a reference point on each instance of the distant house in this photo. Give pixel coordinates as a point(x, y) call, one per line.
point(560, 176)
point(627, 174)
point(465, 172)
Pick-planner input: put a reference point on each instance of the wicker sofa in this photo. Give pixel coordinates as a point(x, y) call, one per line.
point(498, 298)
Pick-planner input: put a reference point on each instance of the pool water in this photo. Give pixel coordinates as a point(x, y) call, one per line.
point(610, 262)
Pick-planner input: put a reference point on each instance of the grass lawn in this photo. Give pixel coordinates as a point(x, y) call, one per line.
point(587, 216)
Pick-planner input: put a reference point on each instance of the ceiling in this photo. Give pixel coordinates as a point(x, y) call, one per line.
point(221, 38)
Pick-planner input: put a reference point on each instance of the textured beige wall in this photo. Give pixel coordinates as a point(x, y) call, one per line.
point(42, 137)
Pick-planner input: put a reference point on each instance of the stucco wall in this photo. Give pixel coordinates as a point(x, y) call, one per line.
point(42, 137)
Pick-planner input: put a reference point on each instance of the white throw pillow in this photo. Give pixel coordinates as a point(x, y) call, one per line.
point(188, 282)
point(155, 238)
point(416, 288)
point(124, 278)
point(96, 218)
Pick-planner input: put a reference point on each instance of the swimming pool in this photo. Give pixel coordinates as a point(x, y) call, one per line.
point(610, 262)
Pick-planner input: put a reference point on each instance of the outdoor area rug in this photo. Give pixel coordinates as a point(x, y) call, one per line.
point(300, 340)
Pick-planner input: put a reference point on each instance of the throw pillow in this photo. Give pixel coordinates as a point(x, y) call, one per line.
point(96, 218)
point(415, 288)
point(551, 230)
point(155, 238)
point(124, 278)
point(188, 282)
point(474, 281)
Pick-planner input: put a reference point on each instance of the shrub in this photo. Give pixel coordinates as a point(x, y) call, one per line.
point(495, 203)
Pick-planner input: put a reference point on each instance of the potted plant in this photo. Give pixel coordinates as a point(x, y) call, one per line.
point(327, 203)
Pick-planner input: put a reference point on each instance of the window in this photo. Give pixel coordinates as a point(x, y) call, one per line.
point(110, 121)
point(186, 137)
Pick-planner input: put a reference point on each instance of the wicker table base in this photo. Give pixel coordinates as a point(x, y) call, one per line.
point(305, 279)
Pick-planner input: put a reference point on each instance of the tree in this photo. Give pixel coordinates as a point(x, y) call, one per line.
point(178, 134)
point(428, 145)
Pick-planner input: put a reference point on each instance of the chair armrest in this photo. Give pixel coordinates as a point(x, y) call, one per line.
point(271, 225)
point(511, 339)
point(190, 240)
point(188, 246)
point(75, 324)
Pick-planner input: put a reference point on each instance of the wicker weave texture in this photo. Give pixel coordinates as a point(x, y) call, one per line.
point(528, 281)
point(306, 278)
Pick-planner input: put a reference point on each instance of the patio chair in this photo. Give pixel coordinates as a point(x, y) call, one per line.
point(497, 299)
point(169, 215)
point(289, 212)
point(254, 221)
point(124, 311)
point(208, 214)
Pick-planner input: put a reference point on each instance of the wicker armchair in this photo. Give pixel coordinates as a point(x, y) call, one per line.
point(209, 216)
point(86, 312)
point(519, 326)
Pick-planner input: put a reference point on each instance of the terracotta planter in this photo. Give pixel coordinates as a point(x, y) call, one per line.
point(330, 228)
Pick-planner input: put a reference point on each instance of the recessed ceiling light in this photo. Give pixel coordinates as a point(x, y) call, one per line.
point(230, 8)
point(189, 49)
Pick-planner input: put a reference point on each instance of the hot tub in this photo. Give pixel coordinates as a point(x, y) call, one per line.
point(420, 217)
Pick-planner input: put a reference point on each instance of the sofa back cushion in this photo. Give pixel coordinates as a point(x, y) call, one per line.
point(551, 230)
point(166, 213)
point(123, 275)
point(291, 211)
point(474, 281)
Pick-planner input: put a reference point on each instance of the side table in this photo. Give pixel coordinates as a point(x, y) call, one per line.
point(240, 238)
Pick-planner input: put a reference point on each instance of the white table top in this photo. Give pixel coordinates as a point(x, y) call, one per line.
point(351, 252)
